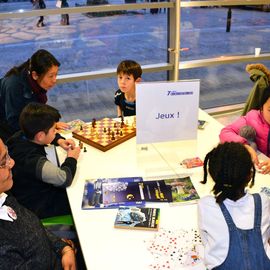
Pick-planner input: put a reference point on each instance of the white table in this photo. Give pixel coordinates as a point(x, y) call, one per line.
point(107, 248)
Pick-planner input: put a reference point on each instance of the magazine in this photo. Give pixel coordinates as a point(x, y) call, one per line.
point(176, 190)
point(182, 190)
point(112, 192)
point(156, 191)
point(137, 218)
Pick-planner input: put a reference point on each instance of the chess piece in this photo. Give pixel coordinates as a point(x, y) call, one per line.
point(121, 133)
point(122, 121)
point(104, 130)
point(81, 127)
point(84, 149)
point(80, 145)
point(112, 138)
point(94, 122)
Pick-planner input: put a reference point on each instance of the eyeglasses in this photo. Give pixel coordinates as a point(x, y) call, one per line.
point(5, 161)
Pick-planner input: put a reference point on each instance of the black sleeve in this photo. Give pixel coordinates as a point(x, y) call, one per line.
point(57, 137)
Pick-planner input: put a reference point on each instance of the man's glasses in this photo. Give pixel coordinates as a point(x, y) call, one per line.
point(5, 162)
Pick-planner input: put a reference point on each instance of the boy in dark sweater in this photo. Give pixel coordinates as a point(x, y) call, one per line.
point(39, 185)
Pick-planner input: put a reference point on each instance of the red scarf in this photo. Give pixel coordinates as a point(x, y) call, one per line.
point(39, 92)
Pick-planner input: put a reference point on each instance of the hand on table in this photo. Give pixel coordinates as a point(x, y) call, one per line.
point(62, 125)
point(264, 167)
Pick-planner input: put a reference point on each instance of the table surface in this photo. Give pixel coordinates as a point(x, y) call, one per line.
point(105, 247)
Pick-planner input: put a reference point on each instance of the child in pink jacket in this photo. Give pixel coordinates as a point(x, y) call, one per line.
point(259, 121)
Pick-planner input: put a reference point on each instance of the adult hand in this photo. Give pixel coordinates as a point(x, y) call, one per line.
point(68, 258)
point(62, 125)
point(66, 144)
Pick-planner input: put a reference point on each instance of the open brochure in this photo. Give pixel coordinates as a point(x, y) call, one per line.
point(112, 193)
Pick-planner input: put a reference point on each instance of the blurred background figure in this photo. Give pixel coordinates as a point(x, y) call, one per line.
point(39, 4)
point(64, 17)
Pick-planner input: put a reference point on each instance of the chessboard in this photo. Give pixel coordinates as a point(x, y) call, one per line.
point(105, 134)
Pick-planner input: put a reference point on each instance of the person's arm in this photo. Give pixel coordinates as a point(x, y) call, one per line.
point(230, 133)
point(117, 101)
point(119, 112)
point(61, 141)
point(14, 101)
point(65, 249)
point(51, 174)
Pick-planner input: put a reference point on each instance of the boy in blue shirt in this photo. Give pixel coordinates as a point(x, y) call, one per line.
point(129, 73)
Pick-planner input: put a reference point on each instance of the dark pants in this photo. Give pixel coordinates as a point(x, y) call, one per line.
point(65, 19)
point(40, 21)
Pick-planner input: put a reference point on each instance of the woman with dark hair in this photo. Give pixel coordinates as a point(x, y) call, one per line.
point(23, 84)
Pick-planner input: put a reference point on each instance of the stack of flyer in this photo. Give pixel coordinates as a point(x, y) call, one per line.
point(133, 191)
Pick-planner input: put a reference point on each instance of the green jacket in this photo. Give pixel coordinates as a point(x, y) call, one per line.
point(259, 74)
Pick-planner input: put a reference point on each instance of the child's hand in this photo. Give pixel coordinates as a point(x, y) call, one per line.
point(264, 167)
point(74, 153)
point(66, 144)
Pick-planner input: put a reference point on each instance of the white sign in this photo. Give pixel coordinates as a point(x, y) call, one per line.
point(167, 111)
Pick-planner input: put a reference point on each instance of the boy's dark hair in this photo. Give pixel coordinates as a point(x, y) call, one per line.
point(265, 96)
point(231, 168)
point(130, 67)
point(40, 62)
point(36, 117)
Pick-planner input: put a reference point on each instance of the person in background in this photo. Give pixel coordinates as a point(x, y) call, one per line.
point(28, 82)
point(259, 122)
point(25, 243)
point(39, 4)
point(129, 73)
point(234, 224)
point(64, 17)
point(40, 185)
